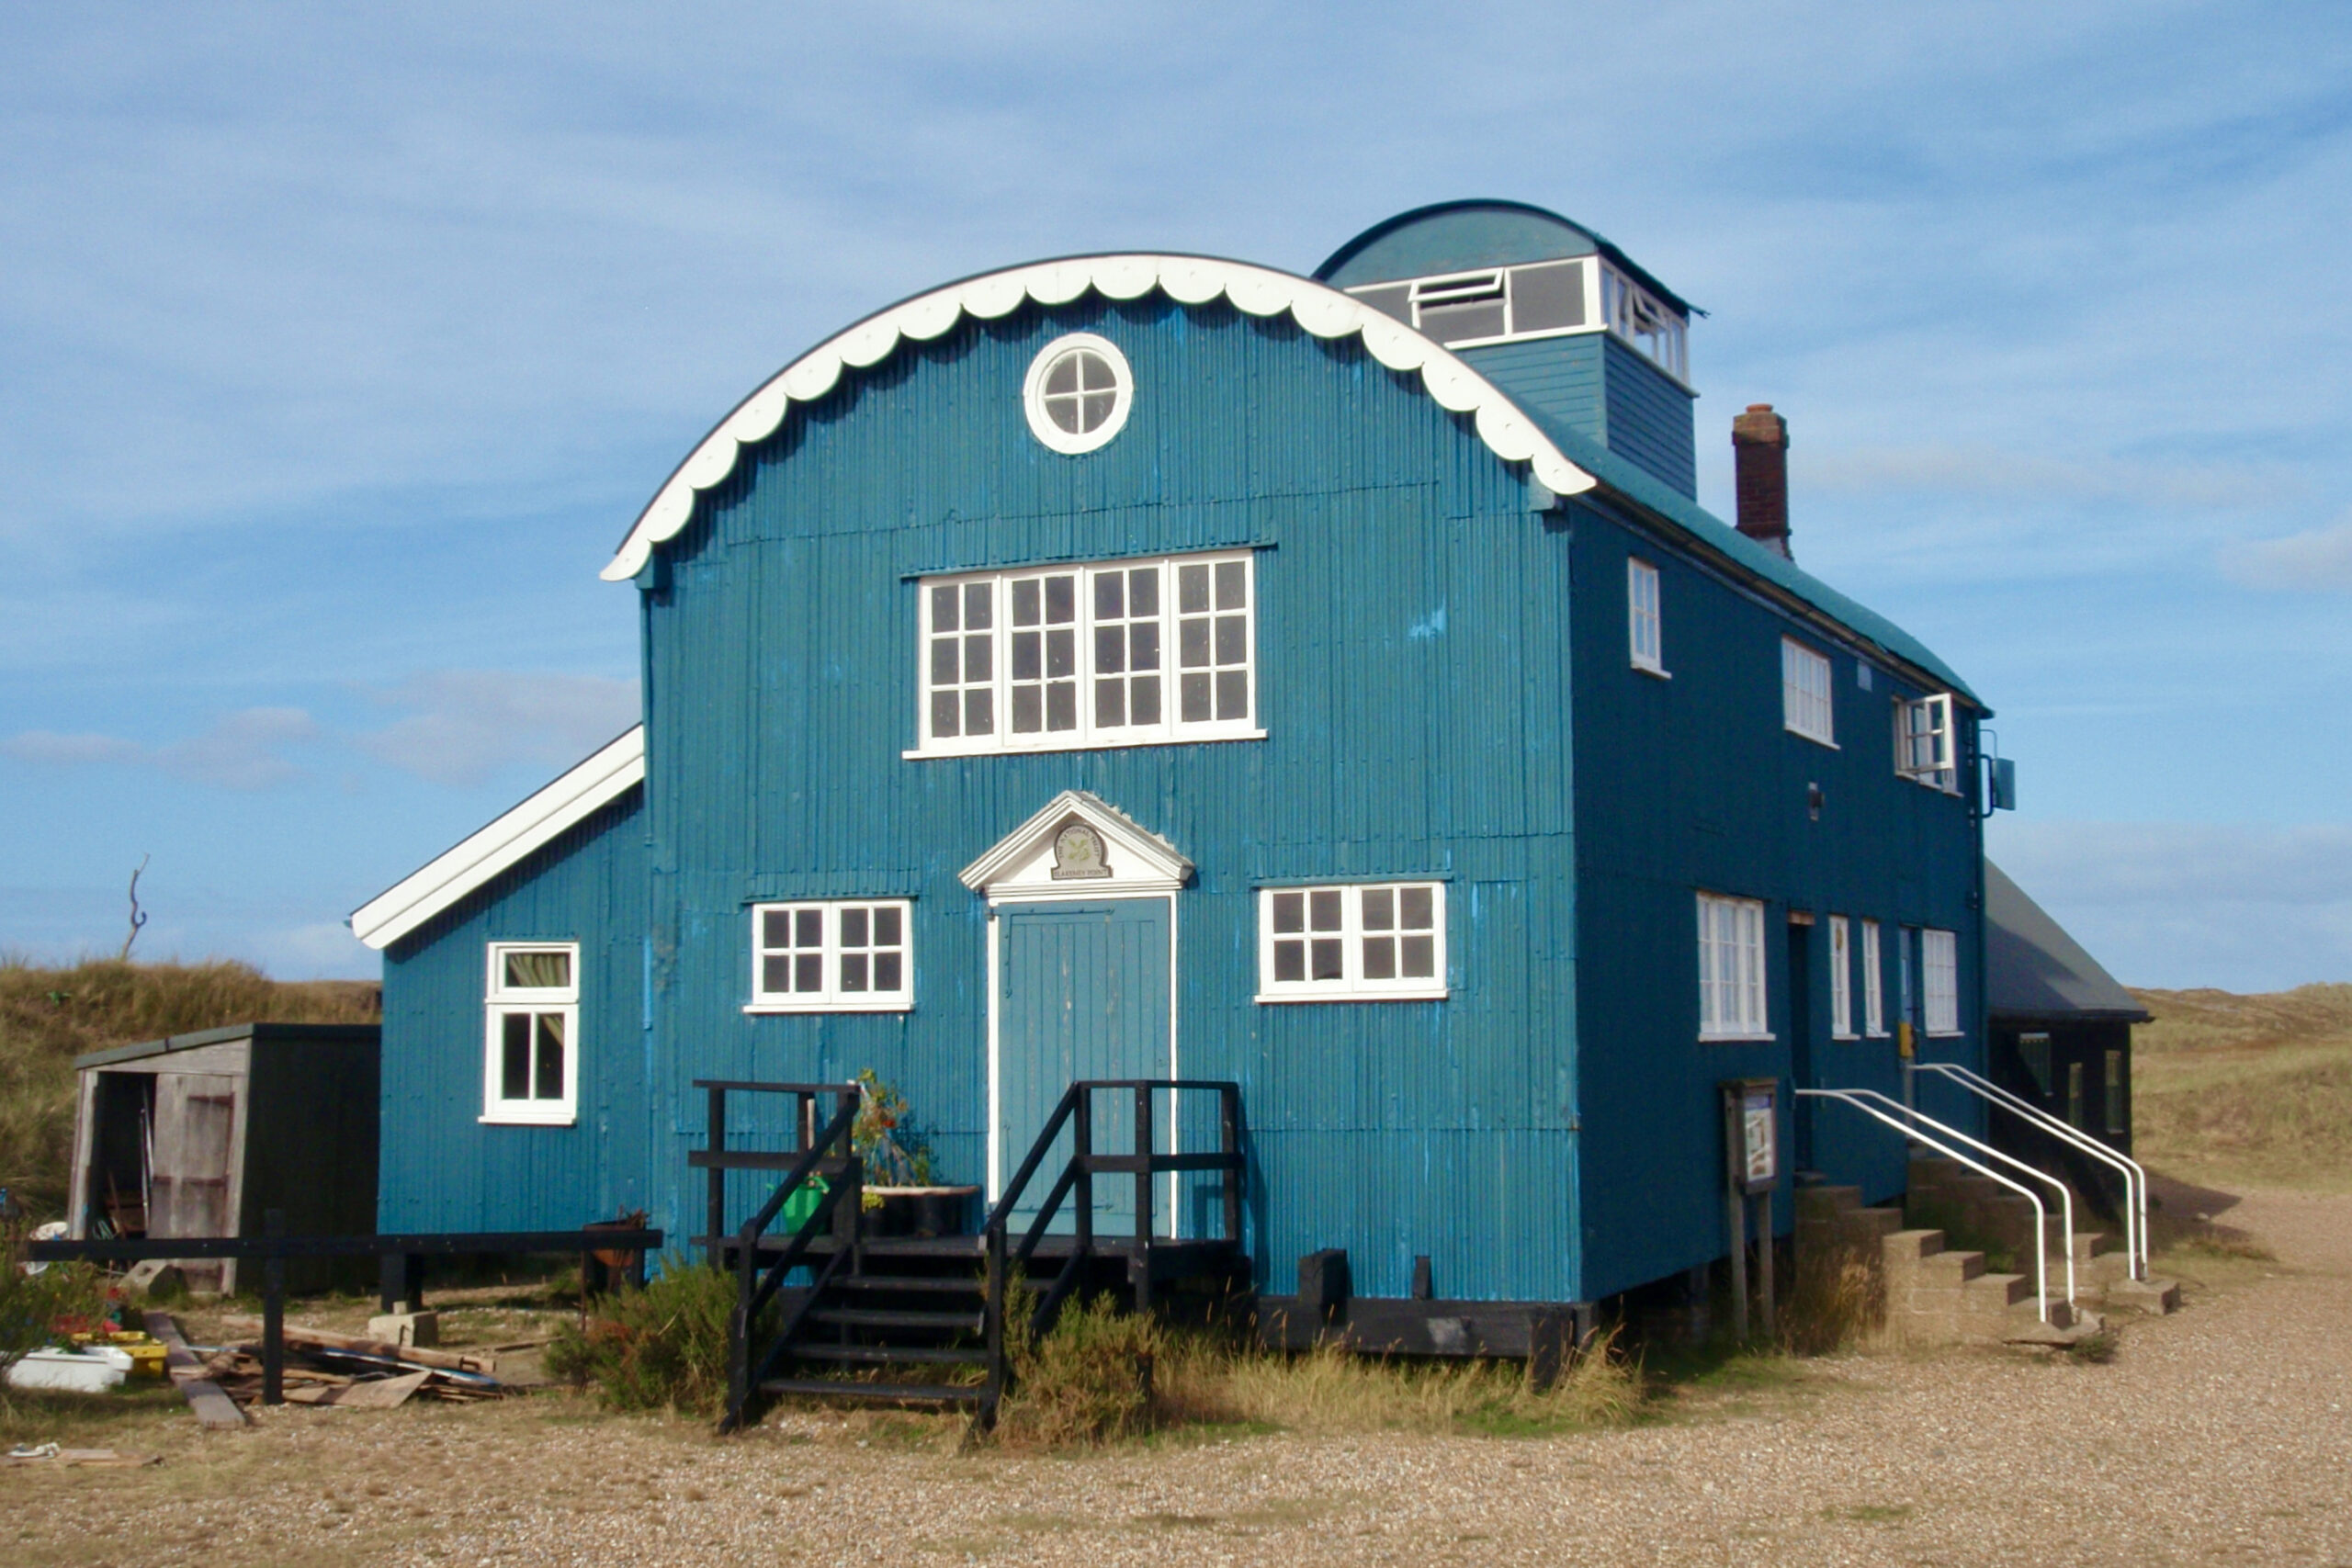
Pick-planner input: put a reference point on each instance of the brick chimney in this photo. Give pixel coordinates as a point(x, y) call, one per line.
point(1760, 445)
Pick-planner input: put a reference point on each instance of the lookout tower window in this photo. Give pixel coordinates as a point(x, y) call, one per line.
point(1551, 298)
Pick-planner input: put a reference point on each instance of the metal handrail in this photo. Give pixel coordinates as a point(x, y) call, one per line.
point(2041, 1215)
point(2065, 1194)
point(2135, 1177)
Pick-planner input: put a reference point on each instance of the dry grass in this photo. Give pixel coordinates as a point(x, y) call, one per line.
point(1837, 1301)
point(50, 1016)
point(2246, 1090)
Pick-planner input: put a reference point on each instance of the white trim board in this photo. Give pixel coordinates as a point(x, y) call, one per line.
point(1189, 280)
point(447, 879)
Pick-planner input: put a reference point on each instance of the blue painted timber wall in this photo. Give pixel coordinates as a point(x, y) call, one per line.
point(1693, 782)
point(1610, 391)
point(443, 1170)
point(1415, 690)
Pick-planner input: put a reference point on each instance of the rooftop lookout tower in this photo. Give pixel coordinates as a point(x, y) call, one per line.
point(1552, 314)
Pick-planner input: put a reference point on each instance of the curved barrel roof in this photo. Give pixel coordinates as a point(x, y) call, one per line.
point(1463, 236)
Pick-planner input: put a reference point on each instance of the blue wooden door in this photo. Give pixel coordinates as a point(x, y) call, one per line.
point(1083, 992)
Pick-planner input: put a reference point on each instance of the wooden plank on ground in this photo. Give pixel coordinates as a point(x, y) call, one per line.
point(214, 1409)
point(360, 1343)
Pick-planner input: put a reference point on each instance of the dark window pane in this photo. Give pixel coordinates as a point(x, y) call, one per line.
point(1061, 652)
point(1143, 590)
point(1323, 908)
point(1379, 909)
point(1062, 601)
point(1191, 589)
point(980, 712)
point(1421, 957)
point(942, 609)
point(1061, 705)
point(1095, 372)
point(1457, 323)
point(1417, 907)
point(1290, 961)
point(1110, 649)
point(1028, 656)
point(809, 928)
point(550, 1081)
point(776, 929)
point(1095, 410)
point(1394, 301)
point(515, 1057)
point(1232, 639)
point(943, 662)
point(853, 925)
point(1193, 693)
point(1063, 411)
point(942, 713)
point(1110, 703)
point(1062, 376)
point(1024, 603)
point(1028, 710)
point(852, 971)
point(1193, 643)
point(977, 607)
point(887, 924)
point(1143, 645)
point(1147, 699)
point(1110, 596)
point(808, 972)
point(1290, 912)
point(1328, 959)
point(1380, 958)
point(1233, 693)
point(776, 974)
point(975, 657)
point(1232, 584)
point(888, 972)
point(1544, 297)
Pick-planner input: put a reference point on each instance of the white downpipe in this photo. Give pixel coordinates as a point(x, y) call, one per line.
point(2041, 1215)
point(2136, 1178)
point(2065, 1194)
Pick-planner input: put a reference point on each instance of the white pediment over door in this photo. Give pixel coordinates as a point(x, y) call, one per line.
point(1080, 846)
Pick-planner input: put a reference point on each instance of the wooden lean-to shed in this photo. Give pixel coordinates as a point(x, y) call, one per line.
point(204, 1134)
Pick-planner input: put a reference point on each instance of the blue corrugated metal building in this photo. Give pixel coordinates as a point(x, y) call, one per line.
point(1151, 665)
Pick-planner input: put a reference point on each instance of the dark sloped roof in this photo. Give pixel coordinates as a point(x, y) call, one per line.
point(2033, 969)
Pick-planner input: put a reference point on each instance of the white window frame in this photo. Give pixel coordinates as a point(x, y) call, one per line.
point(1644, 620)
point(1087, 733)
point(1940, 980)
point(1034, 395)
point(1733, 1003)
point(832, 994)
point(1653, 328)
point(1807, 708)
point(1355, 937)
point(1927, 749)
point(1874, 984)
point(502, 1002)
point(1841, 979)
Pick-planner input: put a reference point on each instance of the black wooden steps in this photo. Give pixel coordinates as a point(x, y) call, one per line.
point(880, 1354)
point(864, 1317)
point(970, 1286)
point(900, 1393)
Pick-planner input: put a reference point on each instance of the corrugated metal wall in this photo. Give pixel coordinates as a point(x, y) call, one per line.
point(1415, 691)
point(441, 1169)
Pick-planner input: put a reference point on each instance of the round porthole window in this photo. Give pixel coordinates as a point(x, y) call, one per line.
point(1079, 393)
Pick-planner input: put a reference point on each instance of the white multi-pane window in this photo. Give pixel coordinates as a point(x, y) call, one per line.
point(1874, 983)
point(532, 1045)
point(1123, 653)
point(1731, 968)
point(834, 956)
point(1925, 747)
point(1643, 630)
point(1841, 978)
point(1940, 969)
point(1377, 941)
point(1805, 692)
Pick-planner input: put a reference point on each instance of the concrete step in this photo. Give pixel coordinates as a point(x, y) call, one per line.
point(2001, 1291)
point(1908, 1247)
point(2153, 1295)
point(1870, 1225)
point(1830, 1203)
point(1950, 1269)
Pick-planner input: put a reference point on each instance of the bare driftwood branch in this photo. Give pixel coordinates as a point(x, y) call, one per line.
point(138, 915)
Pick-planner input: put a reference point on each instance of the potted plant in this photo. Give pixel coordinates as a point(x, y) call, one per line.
point(902, 1197)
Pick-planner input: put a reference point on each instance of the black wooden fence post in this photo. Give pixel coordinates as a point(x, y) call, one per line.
point(273, 1313)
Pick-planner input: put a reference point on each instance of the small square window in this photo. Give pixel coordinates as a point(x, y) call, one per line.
point(836, 956)
point(1365, 942)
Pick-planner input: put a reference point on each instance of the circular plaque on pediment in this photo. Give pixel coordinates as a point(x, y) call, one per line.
point(1079, 853)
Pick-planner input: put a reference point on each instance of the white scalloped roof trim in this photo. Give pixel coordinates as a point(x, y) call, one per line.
point(1189, 280)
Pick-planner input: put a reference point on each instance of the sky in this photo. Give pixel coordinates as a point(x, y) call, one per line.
point(339, 346)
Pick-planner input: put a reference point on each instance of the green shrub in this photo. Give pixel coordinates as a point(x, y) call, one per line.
point(1089, 1381)
point(35, 1307)
point(663, 1348)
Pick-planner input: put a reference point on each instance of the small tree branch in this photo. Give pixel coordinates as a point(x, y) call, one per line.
point(138, 915)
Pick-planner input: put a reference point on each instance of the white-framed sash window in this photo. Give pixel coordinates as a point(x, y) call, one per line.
point(1939, 968)
point(1731, 968)
point(1113, 653)
point(1841, 978)
point(1644, 629)
point(1927, 747)
point(832, 956)
point(1363, 941)
point(1805, 708)
point(531, 1045)
point(1874, 984)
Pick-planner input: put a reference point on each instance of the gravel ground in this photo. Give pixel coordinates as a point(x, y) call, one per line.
point(2223, 1434)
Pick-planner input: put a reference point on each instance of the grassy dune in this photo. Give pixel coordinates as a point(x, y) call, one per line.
point(2253, 1090)
point(50, 1016)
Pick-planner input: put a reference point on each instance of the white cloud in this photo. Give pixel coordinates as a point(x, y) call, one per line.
point(240, 751)
point(2315, 560)
point(464, 725)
